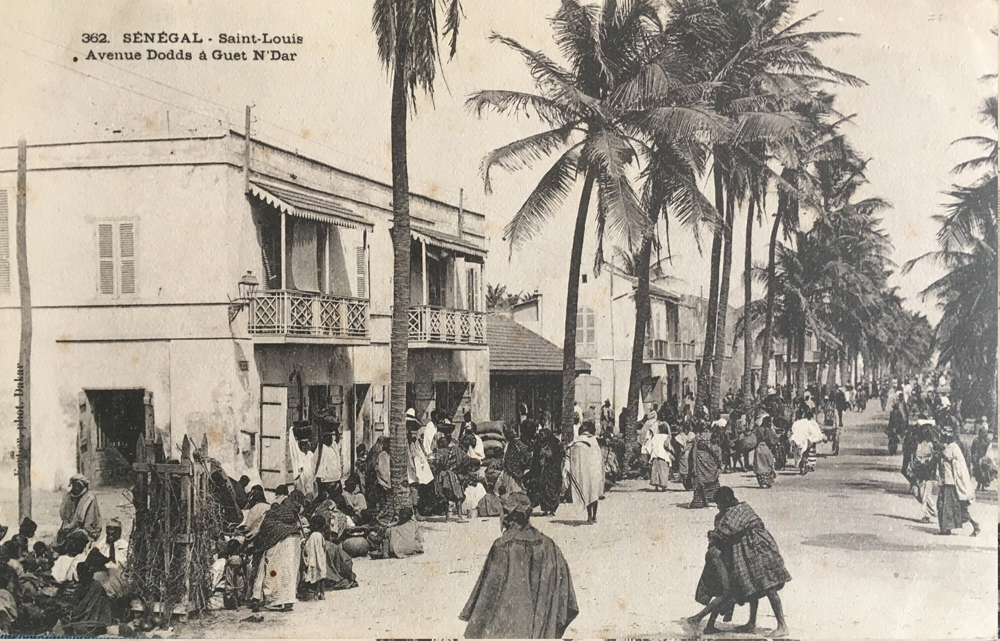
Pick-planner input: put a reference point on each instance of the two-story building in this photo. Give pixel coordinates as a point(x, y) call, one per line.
point(178, 291)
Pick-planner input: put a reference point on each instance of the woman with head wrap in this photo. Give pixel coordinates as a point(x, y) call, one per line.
point(586, 470)
point(278, 546)
point(79, 511)
point(706, 461)
point(763, 460)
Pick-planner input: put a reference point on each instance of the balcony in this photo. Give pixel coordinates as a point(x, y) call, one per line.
point(441, 328)
point(659, 350)
point(283, 316)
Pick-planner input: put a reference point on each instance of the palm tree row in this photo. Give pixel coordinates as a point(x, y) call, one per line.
point(966, 335)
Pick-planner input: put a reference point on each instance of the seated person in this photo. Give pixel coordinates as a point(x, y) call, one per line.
point(43, 557)
point(403, 539)
point(112, 546)
point(100, 599)
point(11, 551)
point(79, 512)
point(65, 566)
point(355, 499)
point(25, 532)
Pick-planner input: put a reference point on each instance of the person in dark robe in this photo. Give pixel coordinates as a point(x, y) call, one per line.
point(79, 511)
point(516, 461)
point(525, 590)
point(404, 538)
point(95, 608)
point(980, 462)
point(763, 460)
point(546, 468)
point(377, 483)
point(706, 461)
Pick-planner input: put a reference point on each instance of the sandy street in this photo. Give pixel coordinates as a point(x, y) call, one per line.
point(862, 564)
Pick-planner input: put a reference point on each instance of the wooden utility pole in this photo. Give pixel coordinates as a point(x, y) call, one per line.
point(246, 155)
point(24, 360)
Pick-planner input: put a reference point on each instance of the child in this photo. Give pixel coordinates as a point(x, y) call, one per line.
point(314, 559)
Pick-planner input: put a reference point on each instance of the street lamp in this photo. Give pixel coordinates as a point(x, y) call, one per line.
point(248, 288)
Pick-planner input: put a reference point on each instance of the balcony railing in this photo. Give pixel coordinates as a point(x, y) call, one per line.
point(659, 350)
point(440, 326)
point(283, 313)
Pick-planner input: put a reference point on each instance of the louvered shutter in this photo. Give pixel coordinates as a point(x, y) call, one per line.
point(359, 253)
point(126, 251)
point(106, 259)
point(4, 244)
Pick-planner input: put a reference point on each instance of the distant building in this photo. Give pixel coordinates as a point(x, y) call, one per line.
point(137, 248)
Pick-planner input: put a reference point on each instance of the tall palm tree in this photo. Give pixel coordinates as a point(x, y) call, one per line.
point(595, 111)
point(967, 241)
point(408, 45)
point(762, 65)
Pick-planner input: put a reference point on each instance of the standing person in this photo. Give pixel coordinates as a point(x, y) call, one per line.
point(428, 434)
point(79, 511)
point(377, 481)
point(685, 439)
point(923, 468)
point(329, 464)
point(303, 460)
point(805, 433)
point(525, 590)
point(516, 462)
point(419, 475)
point(763, 458)
point(586, 470)
point(447, 460)
point(756, 568)
point(469, 428)
point(984, 467)
point(706, 461)
point(607, 419)
point(660, 456)
point(623, 421)
point(277, 546)
point(956, 492)
point(548, 461)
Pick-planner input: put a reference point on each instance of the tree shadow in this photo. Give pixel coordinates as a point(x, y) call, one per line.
point(573, 523)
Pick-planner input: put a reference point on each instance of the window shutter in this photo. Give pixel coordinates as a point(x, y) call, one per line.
point(359, 253)
point(126, 250)
point(106, 259)
point(4, 244)
point(470, 289)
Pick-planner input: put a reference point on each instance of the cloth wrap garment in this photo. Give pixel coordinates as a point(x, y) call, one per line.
point(754, 562)
point(524, 591)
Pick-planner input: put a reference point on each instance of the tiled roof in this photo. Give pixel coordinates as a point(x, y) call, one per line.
point(515, 348)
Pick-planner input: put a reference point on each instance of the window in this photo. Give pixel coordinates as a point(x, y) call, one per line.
point(360, 264)
point(116, 258)
point(584, 277)
point(585, 333)
point(472, 290)
point(4, 244)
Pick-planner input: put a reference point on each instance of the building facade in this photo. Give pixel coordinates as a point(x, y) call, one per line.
point(175, 291)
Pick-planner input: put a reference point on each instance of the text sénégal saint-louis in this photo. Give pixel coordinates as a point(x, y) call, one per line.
point(168, 37)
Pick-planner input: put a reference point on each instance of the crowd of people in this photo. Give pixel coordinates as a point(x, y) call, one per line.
point(73, 584)
point(929, 428)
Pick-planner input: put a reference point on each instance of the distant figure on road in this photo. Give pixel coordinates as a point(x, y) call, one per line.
point(525, 590)
point(754, 565)
point(661, 457)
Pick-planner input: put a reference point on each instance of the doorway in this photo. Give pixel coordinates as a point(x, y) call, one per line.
point(111, 424)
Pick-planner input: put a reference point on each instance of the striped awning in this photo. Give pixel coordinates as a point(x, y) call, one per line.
point(303, 202)
point(446, 241)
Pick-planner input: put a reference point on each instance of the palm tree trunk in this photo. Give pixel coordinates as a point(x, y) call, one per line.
point(399, 340)
point(572, 303)
point(24, 358)
point(831, 374)
point(711, 318)
point(642, 314)
point(788, 361)
point(715, 393)
point(747, 293)
point(800, 380)
point(767, 348)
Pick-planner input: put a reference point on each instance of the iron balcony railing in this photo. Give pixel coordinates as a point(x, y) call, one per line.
point(308, 314)
point(446, 326)
point(659, 350)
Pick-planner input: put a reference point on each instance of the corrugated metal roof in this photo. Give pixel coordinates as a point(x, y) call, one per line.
point(306, 203)
point(515, 348)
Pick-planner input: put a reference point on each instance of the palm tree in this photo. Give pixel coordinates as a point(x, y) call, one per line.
point(408, 45)
point(761, 67)
point(597, 111)
point(967, 241)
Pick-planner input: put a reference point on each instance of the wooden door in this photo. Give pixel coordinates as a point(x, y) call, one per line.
point(273, 435)
point(86, 439)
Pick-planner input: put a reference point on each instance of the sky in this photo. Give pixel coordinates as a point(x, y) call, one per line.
point(922, 59)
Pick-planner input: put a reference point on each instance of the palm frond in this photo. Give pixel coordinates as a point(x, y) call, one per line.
point(545, 199)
